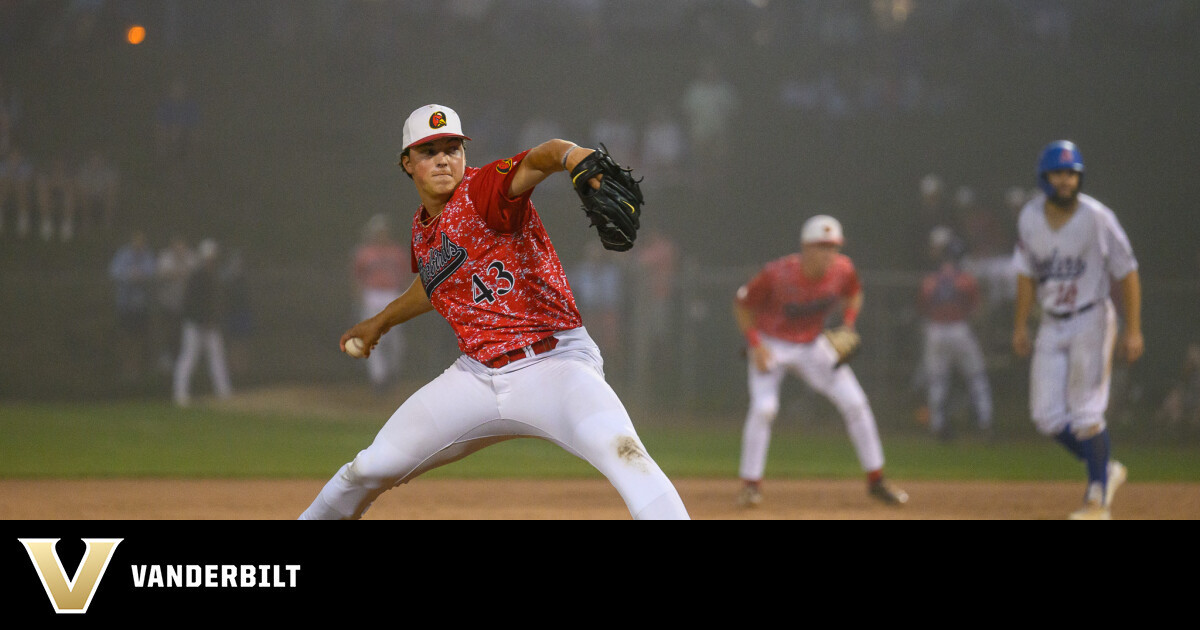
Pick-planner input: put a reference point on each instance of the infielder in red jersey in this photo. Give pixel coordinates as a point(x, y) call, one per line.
point(380, 274)
point(947, 300)
point(782, 312)
point(529, 369)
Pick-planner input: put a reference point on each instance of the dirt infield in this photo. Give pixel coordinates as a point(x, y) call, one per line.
point(506, 499)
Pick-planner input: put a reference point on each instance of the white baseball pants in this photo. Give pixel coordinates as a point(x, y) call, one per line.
point(384, 362)
point(1071, 370)
point(949, 346)
point(813, 363)
point(199, 339)
point(559, 396)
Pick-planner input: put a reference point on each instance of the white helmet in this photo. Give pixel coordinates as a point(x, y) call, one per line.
point(821, 229)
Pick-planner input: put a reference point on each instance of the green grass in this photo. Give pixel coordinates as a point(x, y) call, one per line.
point(154, 439)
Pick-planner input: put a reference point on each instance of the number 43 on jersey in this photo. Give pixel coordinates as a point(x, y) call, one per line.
point(496, 283)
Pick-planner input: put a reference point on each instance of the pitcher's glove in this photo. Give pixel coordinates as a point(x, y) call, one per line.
point(615, 208)
point(845, 341)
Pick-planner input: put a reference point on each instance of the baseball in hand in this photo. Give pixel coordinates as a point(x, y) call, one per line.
point(355, 348)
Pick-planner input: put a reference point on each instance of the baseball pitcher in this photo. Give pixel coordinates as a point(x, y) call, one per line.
point(528, 368)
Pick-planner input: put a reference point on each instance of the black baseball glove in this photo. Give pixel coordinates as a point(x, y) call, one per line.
point(615, 207)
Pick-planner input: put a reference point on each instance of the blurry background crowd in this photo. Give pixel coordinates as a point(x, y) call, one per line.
point(269, 129)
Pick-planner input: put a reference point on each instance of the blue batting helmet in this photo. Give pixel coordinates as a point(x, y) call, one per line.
point(1058, 156)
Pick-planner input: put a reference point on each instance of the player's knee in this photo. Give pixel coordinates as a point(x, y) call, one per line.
point(1050, 425)
point(370, 470)
point(854, 405)
point(1088, 430)
point(764, 410)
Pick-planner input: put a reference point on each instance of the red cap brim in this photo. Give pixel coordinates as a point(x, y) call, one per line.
point(435, 137)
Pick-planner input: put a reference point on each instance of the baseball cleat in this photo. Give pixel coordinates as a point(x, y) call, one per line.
point(1093, 508)
point(1117, 473)
point(750, 496)
point(887, 493)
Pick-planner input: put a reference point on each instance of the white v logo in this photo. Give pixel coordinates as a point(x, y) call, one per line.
point(72, 595)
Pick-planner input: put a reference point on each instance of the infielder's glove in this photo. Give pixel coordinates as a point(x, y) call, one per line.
point(845, 341)
point(615, 207)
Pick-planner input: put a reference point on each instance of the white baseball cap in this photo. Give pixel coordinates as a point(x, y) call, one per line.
point(821, 229)
point(207, 249)
point(430, 123)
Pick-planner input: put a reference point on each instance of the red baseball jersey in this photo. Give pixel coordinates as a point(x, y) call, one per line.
point(948, 296)
point(791, 306)
point(382, 266)
point(488, 266)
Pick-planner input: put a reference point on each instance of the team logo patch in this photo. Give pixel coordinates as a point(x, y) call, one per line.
point(1066, 156)
point(437, 120)
point(504, 166)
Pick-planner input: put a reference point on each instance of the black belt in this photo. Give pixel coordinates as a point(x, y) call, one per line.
point(1080, 311)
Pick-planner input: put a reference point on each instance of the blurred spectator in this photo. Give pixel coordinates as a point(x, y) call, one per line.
point(1050, 24)
point(1015, 198)
point(6, 130)
point(10, 115)
point(57, 196)
point(990, 245)
point(98, 183)
point(986, 232)
point(239, 316)
point(655, 337)
point(617, 133)
point(382, 270)
point(175, 264)
point(132, 271)
point(537, 128)
point(204, 308)
point(78, 23)
point(176, 122)
point(1180, 409)
point(963, 204)
point(16, 191)
point(597, 283)
point(664, 150)
point(709, 105)
point(932, 212)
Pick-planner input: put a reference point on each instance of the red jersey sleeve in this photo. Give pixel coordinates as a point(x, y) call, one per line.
point(755, 293)
point(489, 194)
point(852, 285)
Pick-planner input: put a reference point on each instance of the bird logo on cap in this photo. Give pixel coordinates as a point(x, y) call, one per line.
point(437, 120)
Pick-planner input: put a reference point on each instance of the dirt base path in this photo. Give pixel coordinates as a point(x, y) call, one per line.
point(508, 499)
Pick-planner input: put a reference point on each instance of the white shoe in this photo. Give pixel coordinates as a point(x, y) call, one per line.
point(1093, 508)
point(1117, 473)
point(749, 496)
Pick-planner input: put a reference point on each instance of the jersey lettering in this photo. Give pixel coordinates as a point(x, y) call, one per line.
point(1058, 267)
point(441, 264)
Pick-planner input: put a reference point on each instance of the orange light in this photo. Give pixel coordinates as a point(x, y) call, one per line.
point(135, 35)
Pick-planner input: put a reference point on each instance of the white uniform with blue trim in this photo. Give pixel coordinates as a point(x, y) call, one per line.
point(1073, 268)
